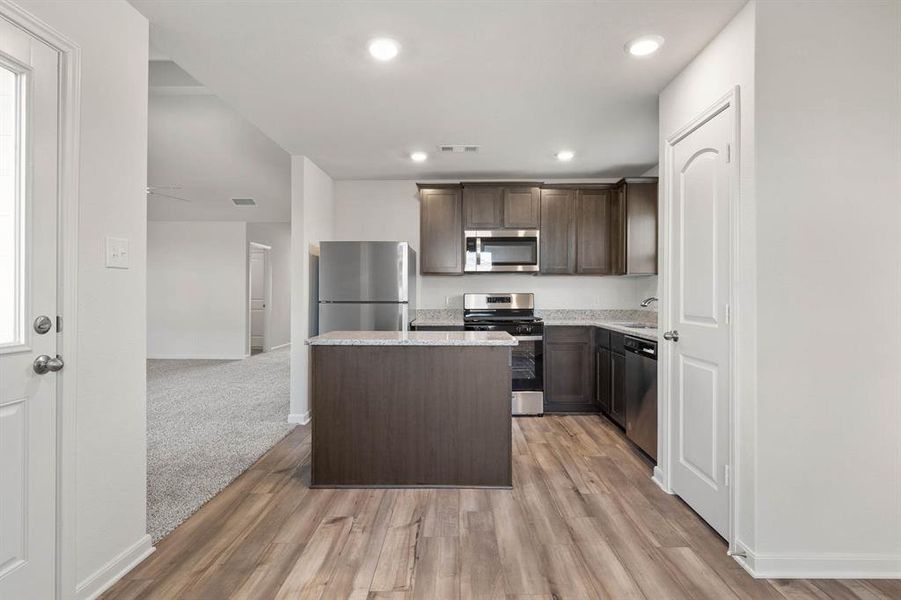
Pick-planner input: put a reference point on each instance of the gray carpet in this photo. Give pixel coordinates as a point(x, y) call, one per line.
point(207, 422)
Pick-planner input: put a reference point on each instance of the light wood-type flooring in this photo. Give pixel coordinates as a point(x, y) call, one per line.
point(583, 521)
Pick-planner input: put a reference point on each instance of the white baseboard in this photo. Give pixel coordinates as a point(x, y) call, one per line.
point(820, 566)
point(301, 418)
point(279, 346)
point(114, 570)
point(659, 479)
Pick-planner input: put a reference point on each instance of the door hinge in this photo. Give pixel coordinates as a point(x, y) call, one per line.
point(59, 324)
point(728, 153)
point(728, 314)
point(726, 475)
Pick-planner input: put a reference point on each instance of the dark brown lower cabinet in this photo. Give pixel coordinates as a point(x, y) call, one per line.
point(569, 370)
point(618, 389)
point(603, 389)
point(610, 375)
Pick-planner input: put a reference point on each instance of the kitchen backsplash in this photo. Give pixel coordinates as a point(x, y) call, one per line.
point(455, 315)
point(648, 316)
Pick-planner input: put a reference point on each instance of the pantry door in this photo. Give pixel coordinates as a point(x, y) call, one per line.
point(702, 176)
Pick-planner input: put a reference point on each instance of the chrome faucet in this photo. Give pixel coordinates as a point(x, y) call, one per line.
point(647, 302)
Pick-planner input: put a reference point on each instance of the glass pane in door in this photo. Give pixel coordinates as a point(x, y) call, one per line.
point(11, 211)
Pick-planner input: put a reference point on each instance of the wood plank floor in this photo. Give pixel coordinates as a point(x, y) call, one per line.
point(583, 521)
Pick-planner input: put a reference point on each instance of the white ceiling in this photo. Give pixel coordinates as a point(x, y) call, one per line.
point(522, 79)
point(210, 153)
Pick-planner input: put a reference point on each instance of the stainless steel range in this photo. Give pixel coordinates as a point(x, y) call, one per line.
point(515, 314)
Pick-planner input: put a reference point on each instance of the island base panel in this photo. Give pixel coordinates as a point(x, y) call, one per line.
point(386, 416)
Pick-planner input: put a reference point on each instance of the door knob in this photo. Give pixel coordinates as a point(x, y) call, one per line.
point(671, 335)
point(44, 363)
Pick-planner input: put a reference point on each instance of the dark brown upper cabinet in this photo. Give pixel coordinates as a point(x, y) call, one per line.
point(634, 227)
point(593, 224)
point(440, 230)
point(585, 229)
point(558, 230)
point(501, 206)
point(522, 207)
point(483, 207)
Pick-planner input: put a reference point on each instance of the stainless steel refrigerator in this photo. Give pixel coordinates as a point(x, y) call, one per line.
point(366, 286)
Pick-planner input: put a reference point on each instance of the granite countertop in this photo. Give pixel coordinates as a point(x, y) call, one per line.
point(413, 338)
point(608, 319)
point(439, 317)
point(645, 334)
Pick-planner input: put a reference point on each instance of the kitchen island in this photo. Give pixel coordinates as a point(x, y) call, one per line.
point(411, 409)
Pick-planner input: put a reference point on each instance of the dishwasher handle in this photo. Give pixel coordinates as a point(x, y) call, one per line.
point(641, 347)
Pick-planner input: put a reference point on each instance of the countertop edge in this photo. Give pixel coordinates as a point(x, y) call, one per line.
point(645, 334)
point(414, 338)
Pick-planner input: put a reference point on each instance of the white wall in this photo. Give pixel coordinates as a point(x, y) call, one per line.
point(829, 287)
point(204, 147)
point(197, 289)
point(728, 61)
point(278, 237)
point(312, 221)
point(111, 460)
point(820, 419)
point(389, 210)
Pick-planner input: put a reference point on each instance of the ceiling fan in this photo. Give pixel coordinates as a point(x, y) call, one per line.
point(154, 190)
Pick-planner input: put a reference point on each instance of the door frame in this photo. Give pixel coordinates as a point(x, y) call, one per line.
point(663, 475)
point(67, 274)
point(267, 297)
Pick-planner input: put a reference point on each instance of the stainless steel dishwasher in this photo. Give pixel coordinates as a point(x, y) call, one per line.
point(641, 394)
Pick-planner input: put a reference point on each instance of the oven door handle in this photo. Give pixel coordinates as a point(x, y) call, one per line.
point(529, 338)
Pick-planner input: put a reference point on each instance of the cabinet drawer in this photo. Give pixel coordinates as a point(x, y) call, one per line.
point(568, 333)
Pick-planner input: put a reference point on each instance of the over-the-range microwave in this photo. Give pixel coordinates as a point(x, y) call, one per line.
point(502, 250)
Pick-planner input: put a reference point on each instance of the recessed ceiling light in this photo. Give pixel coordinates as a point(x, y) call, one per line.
point(565, 155)
point(645, 45)
point(419, 156)
point(383, 49)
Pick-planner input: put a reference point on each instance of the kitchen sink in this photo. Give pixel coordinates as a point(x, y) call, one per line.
point(637, 325)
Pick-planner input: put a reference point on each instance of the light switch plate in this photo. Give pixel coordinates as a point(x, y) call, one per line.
point(116, 253)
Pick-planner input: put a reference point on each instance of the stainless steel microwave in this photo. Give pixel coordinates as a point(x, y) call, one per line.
point(502, 250)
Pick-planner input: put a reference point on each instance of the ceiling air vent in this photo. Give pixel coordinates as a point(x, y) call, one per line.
point(458, 148)
point(244, 202)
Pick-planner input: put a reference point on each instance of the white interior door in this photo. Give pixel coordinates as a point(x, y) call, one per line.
point(28, 289)
point(700, 294)
point(258, 297)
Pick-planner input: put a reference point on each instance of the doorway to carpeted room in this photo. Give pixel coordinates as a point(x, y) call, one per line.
point(207, 422)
